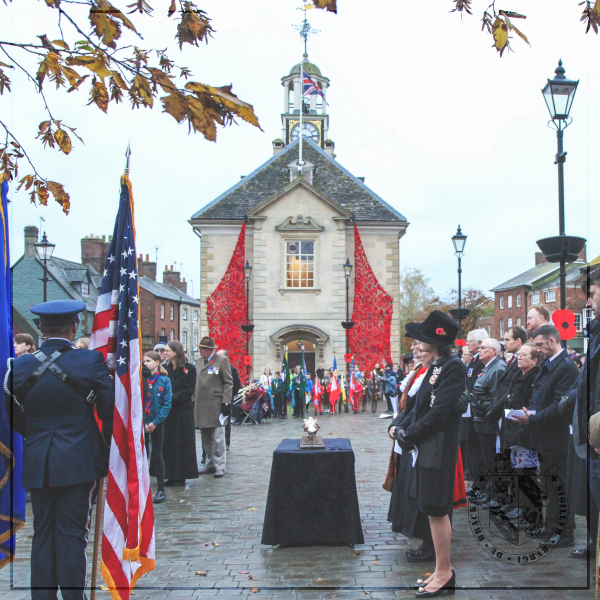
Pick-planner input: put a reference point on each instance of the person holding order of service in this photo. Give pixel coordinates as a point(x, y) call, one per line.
point(433, 428)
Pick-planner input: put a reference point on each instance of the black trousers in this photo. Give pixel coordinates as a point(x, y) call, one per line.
point(61, 522)
point(277, 403)
point(299, 407)
point(155, 454)
point(554, 505)
point(228, 432)
point(487, 447)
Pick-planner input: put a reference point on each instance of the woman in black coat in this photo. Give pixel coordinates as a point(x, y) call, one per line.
point(519, 395)
point(179, 449)
point(433, 427)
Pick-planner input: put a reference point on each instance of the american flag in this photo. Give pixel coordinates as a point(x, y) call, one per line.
point(311, 87)
point(128, 536)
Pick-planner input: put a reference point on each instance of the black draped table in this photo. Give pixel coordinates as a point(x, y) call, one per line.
point(312, 496)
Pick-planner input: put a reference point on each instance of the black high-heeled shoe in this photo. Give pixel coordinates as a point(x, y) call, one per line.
point(449, 587)
point(421, 582)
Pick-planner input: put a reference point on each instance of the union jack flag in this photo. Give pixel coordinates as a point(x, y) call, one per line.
point(128, 536)
point(311, 87)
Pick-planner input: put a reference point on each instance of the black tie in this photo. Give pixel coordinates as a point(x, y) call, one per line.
point(206, 361)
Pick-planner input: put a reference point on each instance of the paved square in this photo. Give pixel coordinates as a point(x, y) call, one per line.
point(215, 525)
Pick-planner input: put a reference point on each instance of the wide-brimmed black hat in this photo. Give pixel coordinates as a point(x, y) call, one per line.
point(438, 328)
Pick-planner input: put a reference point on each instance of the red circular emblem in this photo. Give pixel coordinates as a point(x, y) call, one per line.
point(247, 360)
point(440, 331)
point(565, 323)
point(160, 389)
point(348, 357)
point(460, 343)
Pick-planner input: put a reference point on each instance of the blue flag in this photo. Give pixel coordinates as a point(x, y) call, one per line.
point(12, 494)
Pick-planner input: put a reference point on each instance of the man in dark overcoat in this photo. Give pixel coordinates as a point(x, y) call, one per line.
point(214, 384)
point(50, 397)
point(237, 386)
point(549, 430)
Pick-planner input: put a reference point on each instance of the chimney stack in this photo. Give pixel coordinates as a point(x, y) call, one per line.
point(94, 250)
point(183, 286)
point(31, 238)
point(171, 277)
point(147, 268)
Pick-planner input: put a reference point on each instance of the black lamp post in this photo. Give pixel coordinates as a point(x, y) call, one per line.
point(44, 251)
point(558, 94)
point(248, 327)
point(347, 324)
point(459, 239)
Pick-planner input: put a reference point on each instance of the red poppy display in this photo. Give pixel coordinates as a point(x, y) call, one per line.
point(440, 331)
point(372, 313)
point(247, 360)
point(348, 357)
point(565, 323)
point(226, 306)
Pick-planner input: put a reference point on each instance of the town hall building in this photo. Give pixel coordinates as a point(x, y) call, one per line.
point(300, 223)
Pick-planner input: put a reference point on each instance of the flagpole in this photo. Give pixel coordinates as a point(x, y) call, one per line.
point(97, 536)
point(300, 163)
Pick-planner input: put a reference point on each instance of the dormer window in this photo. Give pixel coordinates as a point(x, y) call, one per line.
point(85, 288)
point(307, 171)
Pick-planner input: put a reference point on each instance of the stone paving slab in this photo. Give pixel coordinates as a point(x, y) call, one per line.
point(215, 526)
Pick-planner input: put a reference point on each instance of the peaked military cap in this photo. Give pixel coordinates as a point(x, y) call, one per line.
point(58, 312)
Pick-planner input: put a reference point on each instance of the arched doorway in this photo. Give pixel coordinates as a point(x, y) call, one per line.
point(312, 338)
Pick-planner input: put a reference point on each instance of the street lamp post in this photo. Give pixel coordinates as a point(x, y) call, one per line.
point(459, 239)
point(248, 327)
point(44, 251)
point(558, 94)
point(347, 324)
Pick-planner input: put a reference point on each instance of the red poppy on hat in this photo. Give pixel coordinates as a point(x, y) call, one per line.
point(565, 323)
point(440, 331)
point(247, 360)
point(348, 357)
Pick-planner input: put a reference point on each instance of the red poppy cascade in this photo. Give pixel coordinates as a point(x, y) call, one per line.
point(372, 313)
point(226, 306)
point(564, 320)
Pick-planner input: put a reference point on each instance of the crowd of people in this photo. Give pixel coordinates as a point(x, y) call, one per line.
point(514, 408)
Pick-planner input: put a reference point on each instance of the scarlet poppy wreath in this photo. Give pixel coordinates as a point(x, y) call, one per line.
point(226, 307)
point(372, 313)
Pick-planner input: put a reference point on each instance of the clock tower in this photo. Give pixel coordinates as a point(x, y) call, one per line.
point(315, 120)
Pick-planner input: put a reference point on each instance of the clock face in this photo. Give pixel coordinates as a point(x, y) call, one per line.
point(309, 130)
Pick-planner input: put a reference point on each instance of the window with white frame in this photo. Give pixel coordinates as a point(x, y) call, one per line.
point(501, 302)
point(195, 338)
point(519, 321)
point(184, 314)
point(509, 323)
point(195, 316)
point(551, 296)
point(501, 327)
point(172, 335)
point(518, 300)
point(588, 315)
point(509, 302)
point(300, 264)
point(162, 311)
point(578, 321)
point(172, 313)
point(535, 299)
point(184, 340)
point(162, 332)
point(85, 288)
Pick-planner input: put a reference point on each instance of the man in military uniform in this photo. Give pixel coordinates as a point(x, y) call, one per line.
point(50, 399)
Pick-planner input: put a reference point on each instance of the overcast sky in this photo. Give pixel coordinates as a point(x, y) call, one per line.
point(420, 105)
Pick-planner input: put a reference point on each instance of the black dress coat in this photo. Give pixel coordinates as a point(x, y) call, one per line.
point(519, 394)
point(179, 449)
point(434, 428)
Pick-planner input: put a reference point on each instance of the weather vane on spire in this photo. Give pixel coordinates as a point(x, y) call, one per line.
point(305, 29)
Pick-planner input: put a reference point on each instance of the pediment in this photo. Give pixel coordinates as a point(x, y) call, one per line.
point(299, 223)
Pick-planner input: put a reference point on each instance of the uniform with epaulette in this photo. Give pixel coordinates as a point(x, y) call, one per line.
point(52, 396)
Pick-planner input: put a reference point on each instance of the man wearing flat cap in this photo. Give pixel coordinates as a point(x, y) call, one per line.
point(214, 386)
point(50, 397)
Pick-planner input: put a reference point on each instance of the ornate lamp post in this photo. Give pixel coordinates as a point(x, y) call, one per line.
point(558, 94)
point(347, 324)
point(459, 239)
point(44, 251)
point(248, 327)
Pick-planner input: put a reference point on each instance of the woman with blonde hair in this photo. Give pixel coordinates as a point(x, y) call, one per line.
point(157, 405)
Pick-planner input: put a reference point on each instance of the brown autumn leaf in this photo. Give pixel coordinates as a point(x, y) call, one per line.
point(57, 190)
point(103, 17)
point(61, 43)
point(500, 33)
point(375, 563)
point(462, 5)
point(513, 28)
point(164, 80)
point(201, 573)
point(194, 26)
point(330, 5)
point(255, 590)
point(251, 509)
point(251, 577)
point(27, 181)
point(140, 88)
point(172, 8)
point(99, 95)
point(176, 105)
point(116, 93)
point(319, 579)
point(95, 63)
point(42, 193)
point(63, 140)
point(244, 572)
point(215, 544)
point(49, 65)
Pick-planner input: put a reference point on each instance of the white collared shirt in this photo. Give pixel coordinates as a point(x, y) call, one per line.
point(553, 357)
